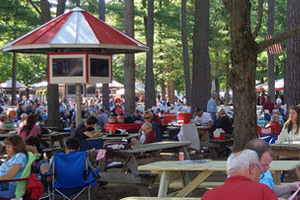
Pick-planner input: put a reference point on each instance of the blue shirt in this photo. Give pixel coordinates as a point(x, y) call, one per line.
point(19, 158)
point(211, 106)
point(268, 179)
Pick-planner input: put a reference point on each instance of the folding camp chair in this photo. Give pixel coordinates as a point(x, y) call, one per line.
point(267, 134)
point(71, 175)
point(22, 182)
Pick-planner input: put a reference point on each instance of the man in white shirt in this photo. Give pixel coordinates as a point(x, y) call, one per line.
point(203, 117)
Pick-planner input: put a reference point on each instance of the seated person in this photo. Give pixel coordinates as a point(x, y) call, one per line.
point(136, 116)
point(72, 145)
point(148, 117)
point(29, 128)
point(3, 121)
point(275, 123)
point(86, 130)
point(147, 135)
point(13, 167)
point(203, 117)
point(243, 180)
point(223, 122)
point(265, 156)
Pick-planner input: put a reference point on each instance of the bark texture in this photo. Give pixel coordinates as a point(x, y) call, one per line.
point(243, 58)
point(292, 79)
point(185, 53)
point(271, 64)
point(129, 68)
point(150, 97)
point(201, 83)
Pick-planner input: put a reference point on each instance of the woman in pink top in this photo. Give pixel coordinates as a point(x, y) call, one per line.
point(29, 128)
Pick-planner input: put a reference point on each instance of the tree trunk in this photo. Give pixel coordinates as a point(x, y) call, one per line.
point(243, 58)
point(292, 79)
point(14, 74)
point(129, 68)
point(150, 97)
point(163, 89)
point(105, 86)
point(201, 84)
point(271, 73)
point(77, 3)
point(45, 11)
point(52, 89)
point(61, 6)
point(171, 86)
point(185, 54)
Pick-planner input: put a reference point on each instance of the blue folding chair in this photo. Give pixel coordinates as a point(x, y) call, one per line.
point(71, 175)
point(90, 144)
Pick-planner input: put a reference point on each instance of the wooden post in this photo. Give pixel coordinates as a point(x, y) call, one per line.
point(78, 103)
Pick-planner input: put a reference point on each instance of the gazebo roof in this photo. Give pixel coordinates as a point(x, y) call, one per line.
point(76, 30)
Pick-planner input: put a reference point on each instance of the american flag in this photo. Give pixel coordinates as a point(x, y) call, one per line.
point(275, 48)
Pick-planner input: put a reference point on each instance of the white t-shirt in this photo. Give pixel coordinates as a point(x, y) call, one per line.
point(204, 119)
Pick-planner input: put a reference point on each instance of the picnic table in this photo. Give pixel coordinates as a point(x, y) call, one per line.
point(130, 159)
point(207, 168)
point(51, 138)
point(286, 149)
point(3, 136)
point(126, 126)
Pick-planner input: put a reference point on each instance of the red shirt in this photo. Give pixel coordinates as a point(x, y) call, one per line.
point(240, 188)
point(277, 127)
point(269, 105)
point(150, 137)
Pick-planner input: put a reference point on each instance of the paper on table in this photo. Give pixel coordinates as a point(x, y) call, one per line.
point(294, 195)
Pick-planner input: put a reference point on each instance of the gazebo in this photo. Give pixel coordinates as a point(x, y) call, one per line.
point(75, 31)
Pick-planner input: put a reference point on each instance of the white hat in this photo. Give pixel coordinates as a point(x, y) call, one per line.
point(278, 101)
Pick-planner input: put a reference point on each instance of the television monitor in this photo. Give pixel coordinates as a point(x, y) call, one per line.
point(71, 90)
point(99, 68)
point(90, 91)
point(79, 67)
point(67, 68)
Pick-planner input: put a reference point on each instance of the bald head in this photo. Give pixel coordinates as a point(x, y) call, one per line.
point(259, 146)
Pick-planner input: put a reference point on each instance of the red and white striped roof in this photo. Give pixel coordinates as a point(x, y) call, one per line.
point(76, 30)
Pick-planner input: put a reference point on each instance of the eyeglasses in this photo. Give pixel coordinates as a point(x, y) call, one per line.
point(261, 173)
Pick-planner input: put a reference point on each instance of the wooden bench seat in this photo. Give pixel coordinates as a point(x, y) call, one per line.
point(161, 198)
point(178, 185)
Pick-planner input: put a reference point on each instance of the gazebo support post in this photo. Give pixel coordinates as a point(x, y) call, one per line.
point(78, 103)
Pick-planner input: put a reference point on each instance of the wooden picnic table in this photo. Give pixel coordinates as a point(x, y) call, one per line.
point(286, 150)
point(119, 136)
point(207, 167)
point(131, 158)
point(51, 138)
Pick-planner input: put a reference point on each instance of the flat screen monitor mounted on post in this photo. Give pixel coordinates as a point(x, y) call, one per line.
point(84, 68)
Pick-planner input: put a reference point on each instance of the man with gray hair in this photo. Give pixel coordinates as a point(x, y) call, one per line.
point(244, 173)
point(223, 122)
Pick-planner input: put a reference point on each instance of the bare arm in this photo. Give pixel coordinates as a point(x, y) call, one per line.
point(92, 134)
point(286, 188)
point(12, 171)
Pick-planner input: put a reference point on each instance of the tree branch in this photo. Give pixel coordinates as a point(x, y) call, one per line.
point(259, 18)
point(278, 38)
point(34, 6)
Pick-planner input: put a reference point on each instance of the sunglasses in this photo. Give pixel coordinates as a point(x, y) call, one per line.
point(261, 173)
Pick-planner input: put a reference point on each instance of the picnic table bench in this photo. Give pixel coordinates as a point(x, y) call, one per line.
point(207, 168)
point(160, 198)
point(128, 172)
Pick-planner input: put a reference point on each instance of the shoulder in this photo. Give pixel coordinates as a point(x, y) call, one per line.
point(19, 158)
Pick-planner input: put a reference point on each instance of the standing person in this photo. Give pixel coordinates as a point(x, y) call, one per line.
point(29, 128)
point(243, 181)
point(265, 157)
point(86, 130)
point(13, 167)
point(212, 106)
point(291, 130)
point(268, 105)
